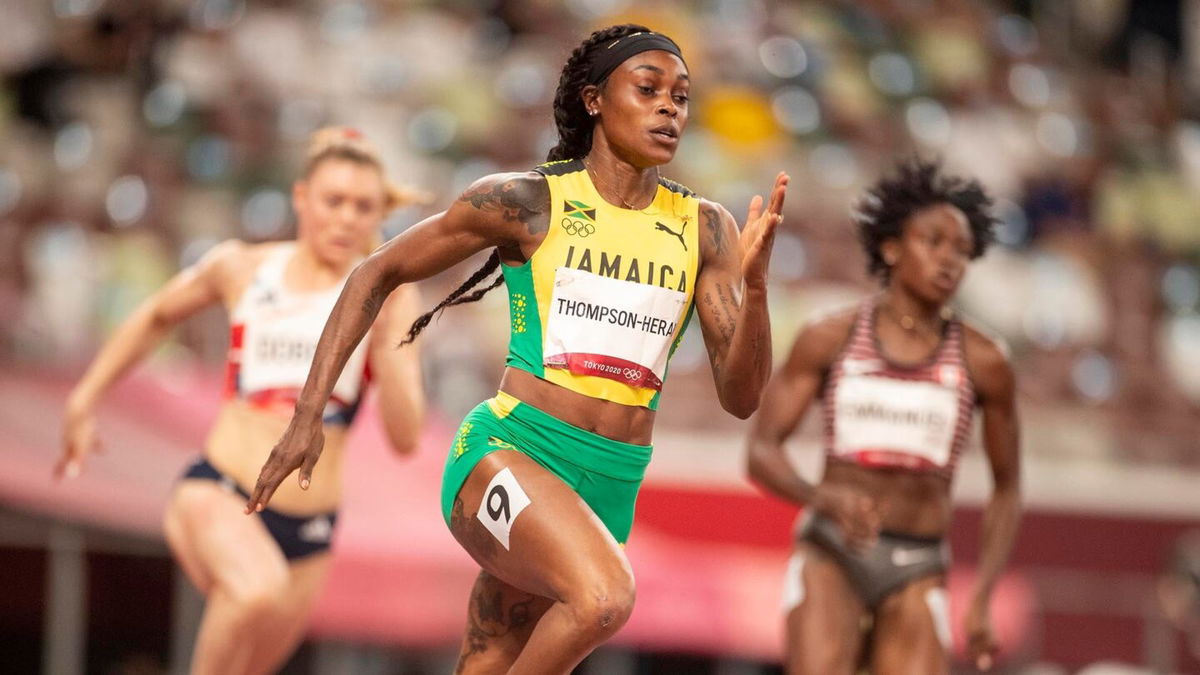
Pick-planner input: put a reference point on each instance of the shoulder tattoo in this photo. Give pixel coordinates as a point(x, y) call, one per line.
point(523, 199)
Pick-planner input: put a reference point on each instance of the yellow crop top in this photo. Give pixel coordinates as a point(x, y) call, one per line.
point(601, 305)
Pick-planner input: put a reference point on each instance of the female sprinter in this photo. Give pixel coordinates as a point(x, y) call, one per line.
point(604, 261)
point(261, 575)
point(899, 377)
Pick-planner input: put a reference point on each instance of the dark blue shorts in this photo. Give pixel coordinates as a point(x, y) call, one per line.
point(297, 537)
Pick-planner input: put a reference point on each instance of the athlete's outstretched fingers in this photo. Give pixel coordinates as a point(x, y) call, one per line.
point(299, 448)
point(778, 192)
point(529, 529)
point(758, 237)
point(749, 237)
point(269, 478)
point(264, 487)
point(754, 211)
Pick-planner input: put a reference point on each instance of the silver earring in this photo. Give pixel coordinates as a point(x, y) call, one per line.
point(592, 113)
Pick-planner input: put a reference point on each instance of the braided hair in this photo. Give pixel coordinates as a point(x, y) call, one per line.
point(457, 296)
point(886, 207)
point(574, 141)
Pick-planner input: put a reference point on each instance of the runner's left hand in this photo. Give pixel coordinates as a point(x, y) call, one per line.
point(758, 234)
point(981, 644)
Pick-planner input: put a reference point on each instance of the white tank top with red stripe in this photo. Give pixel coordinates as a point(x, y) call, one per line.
point(273, 336)
point(888, 415)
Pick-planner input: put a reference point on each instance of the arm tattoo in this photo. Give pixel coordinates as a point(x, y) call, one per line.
point(522, 200)
point(374, 302)
point(724, 324)
point(729, 308)
point(712, 221)
point(724, 308)
point(756, 346)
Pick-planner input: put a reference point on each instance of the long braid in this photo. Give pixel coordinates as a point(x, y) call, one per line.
point(455, 298)
point(574, 124)
point(574, 141)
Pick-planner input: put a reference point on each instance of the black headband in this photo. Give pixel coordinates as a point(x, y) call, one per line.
point(619, 50)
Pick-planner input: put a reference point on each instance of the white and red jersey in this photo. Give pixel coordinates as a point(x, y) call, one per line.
point(888, 415)
point(273, 336)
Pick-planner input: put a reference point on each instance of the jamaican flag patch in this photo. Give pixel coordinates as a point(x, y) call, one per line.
point(579, 219)
point(576, 209)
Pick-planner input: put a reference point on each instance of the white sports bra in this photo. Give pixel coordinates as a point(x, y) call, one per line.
point(273, 336)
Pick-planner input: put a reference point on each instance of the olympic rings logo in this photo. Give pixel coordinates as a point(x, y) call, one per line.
point(578, 227)
point(632, 374)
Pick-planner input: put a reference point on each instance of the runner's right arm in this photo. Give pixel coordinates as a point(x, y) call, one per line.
point(787, 398)
point(188, 292)
point(502, 210)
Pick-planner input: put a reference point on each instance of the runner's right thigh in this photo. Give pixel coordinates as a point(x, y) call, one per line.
point(824, 633)
point(557, 546)
point(218, 545)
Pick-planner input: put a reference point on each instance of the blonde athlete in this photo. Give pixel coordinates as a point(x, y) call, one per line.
point(605, 263)
point(261, 575)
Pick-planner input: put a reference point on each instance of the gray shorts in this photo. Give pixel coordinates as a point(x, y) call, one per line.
point(894, 562)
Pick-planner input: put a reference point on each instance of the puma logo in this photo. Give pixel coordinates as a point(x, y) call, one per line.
point(678, 235)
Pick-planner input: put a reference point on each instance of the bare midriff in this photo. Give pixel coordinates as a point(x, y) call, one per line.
point(240, 441)
point(625, 423)
point(909, 502)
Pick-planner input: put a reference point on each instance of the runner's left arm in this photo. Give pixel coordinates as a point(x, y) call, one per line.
point(731, 298)
point(995, 386)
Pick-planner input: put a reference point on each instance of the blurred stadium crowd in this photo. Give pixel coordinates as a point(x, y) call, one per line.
point(134, 134)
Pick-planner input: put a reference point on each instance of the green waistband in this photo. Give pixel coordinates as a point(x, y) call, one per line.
point(615, 459)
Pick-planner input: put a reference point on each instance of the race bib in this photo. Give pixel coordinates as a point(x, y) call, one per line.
point(278, 352)
point(879, 415)
point(620, 330)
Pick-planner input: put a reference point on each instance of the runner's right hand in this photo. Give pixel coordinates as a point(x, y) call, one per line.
point(855, 513)
point(299, 448)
